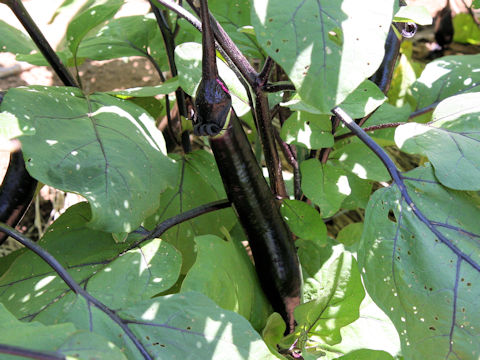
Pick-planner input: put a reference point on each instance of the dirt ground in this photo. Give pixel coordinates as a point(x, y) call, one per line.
point(117, 74)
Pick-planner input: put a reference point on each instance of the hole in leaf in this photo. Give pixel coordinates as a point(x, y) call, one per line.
point(391, 216)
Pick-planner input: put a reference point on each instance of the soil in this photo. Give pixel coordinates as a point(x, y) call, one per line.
point(121, 74)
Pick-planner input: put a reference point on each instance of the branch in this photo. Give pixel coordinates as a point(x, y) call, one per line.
point(24, 17)
point(398, 179)
point(169, 42)
point(291, 157)
point(73, 285)
point(178, 219)
point(265, 73)
point(32, 354)
point(265, 130)
point(371, 128)
point(383, 76)
point(278, 86)
point(233, 52)
point(180, 11)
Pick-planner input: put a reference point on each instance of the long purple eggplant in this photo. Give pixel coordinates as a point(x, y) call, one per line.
point(273, 250)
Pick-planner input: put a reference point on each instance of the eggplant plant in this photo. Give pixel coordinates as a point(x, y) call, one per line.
point(292, 117)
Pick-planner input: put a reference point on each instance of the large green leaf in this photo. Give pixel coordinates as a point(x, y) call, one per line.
point(30, 287)
point(197, 182)
point(233, 15)
point(308, 130)
point(167, 87)
point(451, 141)
point(188, 57)
point(423, 271)
point(224, 272)
point(104, 148)
point(363, 100)
point(335, 293)
point(325, 184)
point(191, 326)
point(372, 330)
point(360, 191)
point(303, 220)
point(57, 339)
point(40, 337)
point(13, 40)
point(98, 12)
point(445, 77)
point(327, 48)
point(126, 36)
point(11, 127)
point(356, 158)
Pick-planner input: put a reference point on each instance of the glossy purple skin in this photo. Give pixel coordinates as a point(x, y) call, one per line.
point(273, 249)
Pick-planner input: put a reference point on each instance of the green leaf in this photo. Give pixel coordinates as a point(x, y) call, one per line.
point(197, 182)
point(88, 345)
point(173, 326)
point(476, 4)
point(355, 157)
point(372, 330)
point(189, 65)
point(30, 289)
point(325, 184)
point(11, 127)
point(465, 30)
point(273, 332)
point(234, 16)
point(360, 191)
point(14, 41)
point(93, 258)
point(37, 58)
point(336, 301)
point(308, 130)
point(363, 100)
point(59, 338)
point(224, 272)
point(447, 76)
point(413, 13)
point(350, 234)
point(104, 148)
point(327, 48)
point(387, 114)
point(151, 269)
point(123, 37)
point(423, 274)
point(167, 87)
point(366, 354)
point(69, 4)
point(303, 220)
point(451, 141)
point(312, 255)
point(34, 335)
point(96, 14)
